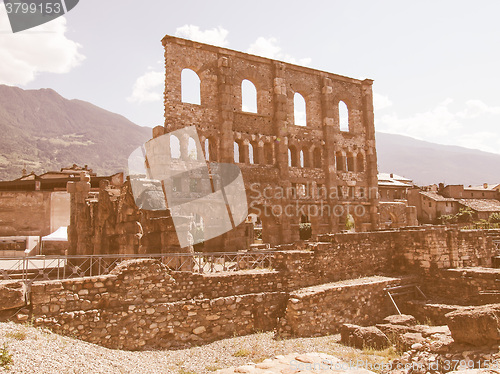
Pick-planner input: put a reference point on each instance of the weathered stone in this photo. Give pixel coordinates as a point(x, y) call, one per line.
point(363, 337)
point(478, 325)
point(401, 319)
point(13, 295)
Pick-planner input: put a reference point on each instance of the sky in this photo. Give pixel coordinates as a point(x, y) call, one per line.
point(435, 64)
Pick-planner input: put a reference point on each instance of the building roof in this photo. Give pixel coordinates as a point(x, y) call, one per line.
point(393, 180)
point(481, 205)
point(435, 196)
point(483, 187)
point(387, 176)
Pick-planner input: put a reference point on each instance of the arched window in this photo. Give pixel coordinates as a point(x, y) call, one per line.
point(192, 151)
point(175, 147)
point(340, 161)
point(190, 87)
point(299, 110)
point(293, 159)
point(236, 152)
point(301, 158)
point(343, 116)
point(207, 149)
point(256, 153)
point(248, 97)
point(250, 153)
point(350, 162)
point(360, 160)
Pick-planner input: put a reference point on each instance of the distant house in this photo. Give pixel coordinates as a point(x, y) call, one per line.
point(433, 202)
point(393, 206)
point(393, 187)
point(431, 205)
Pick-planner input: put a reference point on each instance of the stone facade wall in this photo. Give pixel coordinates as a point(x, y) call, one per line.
point(341, 162)
point(321, 310)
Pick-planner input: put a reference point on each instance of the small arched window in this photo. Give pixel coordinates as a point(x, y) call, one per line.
point(299, 110)
point(248, 97)
point(350, 162)
point(175, 147)
point(343, 116)
point(360, 160)
point(192, 151)
point(236, 152)
point(250, 154)
point(190, 87)
point(293, 157)
point(340, 161)
point(207, 149)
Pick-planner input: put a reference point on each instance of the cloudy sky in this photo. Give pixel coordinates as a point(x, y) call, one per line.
point(435, 63)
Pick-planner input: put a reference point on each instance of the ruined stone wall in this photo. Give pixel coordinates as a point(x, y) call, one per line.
point(25, 213)
point(321, 310)
point(142, 305)
point(347, 256)
point(465, 286)
point(109, 222)
point(323, 157)
point(418, 250)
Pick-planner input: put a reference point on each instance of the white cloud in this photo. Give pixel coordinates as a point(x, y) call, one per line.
point(380, 101)
point(44, 48)
point(474, 126)
point(476, 108)
point(216, 36)
point(148, 87)
point(269, 48)
point(429, 125)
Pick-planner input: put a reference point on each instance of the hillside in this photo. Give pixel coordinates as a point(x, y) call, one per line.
point(44, 131)
point(428, 163)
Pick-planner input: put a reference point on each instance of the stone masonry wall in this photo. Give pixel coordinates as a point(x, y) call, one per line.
point(321, 310)
point(465, 286)
point(141, 304)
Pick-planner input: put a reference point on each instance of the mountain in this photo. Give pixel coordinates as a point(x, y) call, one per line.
point(44, 131)
point(428, 163)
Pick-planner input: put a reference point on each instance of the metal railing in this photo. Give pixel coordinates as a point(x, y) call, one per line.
point(39, 268)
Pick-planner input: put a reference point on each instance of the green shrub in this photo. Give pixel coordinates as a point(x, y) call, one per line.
point(305, 231)
point(5, 357)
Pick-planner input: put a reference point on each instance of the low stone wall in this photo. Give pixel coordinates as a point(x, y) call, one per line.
point(170, 325)
point(465, 286)
point(321, 310)
point(143, 305)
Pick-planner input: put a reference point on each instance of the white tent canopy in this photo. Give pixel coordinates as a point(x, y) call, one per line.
point(60, 235)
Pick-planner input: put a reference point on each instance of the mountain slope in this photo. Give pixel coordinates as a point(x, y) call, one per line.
point(44, 131)
point(428, 163)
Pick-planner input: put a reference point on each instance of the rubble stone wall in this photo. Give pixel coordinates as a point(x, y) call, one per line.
point(321, 310)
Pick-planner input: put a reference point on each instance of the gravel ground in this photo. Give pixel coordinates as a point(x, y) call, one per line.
point(35, 350)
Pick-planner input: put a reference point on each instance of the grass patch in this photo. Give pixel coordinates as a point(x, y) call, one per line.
point(18, 335)
point(5, 357)
point(212, 367)
point(184, 371)
point(242, 353)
